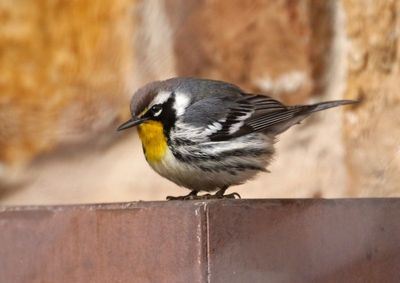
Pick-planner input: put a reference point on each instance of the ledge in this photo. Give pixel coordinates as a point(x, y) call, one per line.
point(347, 240)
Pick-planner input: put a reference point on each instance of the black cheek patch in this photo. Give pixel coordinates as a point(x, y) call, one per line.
point(168, 115)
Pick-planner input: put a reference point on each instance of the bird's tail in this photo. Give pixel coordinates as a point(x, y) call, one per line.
point(302, 111)
point(326, 105)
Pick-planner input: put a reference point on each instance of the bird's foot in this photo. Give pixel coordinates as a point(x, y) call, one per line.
point(218, 196)
point(230, 196)
point(221, 194)
point(193, 196)
point(187, 197)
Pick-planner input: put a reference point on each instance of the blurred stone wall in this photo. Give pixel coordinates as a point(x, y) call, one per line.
point(372, 131)
point(64, 66)
point(68, 69)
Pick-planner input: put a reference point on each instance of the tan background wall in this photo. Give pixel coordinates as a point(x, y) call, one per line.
point(372, 132)
point(68, 69)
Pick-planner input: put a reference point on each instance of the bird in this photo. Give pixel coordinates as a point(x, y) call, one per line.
point(207, 135)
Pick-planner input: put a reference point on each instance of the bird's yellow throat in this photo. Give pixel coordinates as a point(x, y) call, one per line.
point(151, 134)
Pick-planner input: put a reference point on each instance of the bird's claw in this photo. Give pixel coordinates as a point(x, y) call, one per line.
point(205, 197)
point(187, 197)
point(232, 196)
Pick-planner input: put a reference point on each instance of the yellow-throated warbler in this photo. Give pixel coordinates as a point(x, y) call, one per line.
point(207, 135)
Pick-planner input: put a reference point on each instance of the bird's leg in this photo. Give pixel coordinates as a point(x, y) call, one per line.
point(191, 195)
point(220, 194)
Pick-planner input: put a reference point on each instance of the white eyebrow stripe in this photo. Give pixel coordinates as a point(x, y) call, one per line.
point(181, 103)
point(160, 98)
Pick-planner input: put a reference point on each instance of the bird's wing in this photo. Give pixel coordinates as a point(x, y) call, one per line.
point(222, 117)
point(255, 113)
point(226, 117)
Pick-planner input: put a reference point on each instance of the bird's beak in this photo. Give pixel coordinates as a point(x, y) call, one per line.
point(134, 121)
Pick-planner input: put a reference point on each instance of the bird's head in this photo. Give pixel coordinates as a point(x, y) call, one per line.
point(166, 101)
point(157, 101)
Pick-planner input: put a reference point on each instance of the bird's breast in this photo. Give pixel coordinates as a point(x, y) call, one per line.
point(154, 142)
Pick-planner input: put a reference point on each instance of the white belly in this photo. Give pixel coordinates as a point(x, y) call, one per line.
point(214, 174)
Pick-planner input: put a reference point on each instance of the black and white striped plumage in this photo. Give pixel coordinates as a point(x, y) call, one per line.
point(217, 134)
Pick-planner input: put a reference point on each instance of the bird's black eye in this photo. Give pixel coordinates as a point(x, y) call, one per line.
point(156, 110)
